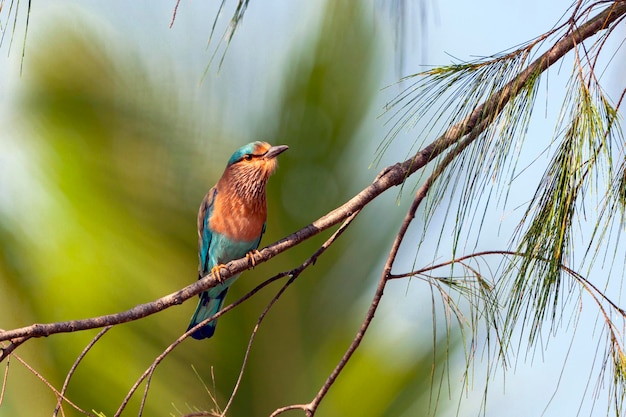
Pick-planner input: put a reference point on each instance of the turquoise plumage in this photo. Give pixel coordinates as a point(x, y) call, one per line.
point(231, 221)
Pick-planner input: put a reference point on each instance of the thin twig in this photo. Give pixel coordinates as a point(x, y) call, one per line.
point(4, 380)
point(66, 383)
point(49, 385)
point(280, 292)
point(304, 407)
point(174, 13)
point(576, 275)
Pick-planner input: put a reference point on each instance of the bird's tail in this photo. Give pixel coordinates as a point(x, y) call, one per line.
point(207, 307)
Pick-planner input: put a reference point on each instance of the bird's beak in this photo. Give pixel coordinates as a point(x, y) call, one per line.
point(274, 151)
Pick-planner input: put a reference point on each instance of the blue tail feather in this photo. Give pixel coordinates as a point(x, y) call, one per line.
point(207, 307)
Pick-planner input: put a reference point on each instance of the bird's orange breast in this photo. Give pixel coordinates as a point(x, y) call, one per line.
point(236, 219)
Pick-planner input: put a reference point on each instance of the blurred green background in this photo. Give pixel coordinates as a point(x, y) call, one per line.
point(112, 155)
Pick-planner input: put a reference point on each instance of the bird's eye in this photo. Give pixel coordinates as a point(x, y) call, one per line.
point(247, 157)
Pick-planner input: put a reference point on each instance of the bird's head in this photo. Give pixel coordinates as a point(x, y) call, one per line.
point(251, 165)
point(260, 156)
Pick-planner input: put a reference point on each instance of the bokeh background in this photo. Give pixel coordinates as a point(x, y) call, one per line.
point(115, 125)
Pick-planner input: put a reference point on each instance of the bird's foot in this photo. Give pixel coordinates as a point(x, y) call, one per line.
point(216, 274)
point(250, 256)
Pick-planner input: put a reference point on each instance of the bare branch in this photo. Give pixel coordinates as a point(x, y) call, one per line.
point(174, 13)
point(49, 385)
point(596, 293)
point(4, 380)
point(304, 407)
point(66, 383)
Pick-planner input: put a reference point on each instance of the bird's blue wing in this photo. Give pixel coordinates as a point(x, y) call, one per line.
point(205, 236)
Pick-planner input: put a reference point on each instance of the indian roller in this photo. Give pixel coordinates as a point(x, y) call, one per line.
point(231, 221)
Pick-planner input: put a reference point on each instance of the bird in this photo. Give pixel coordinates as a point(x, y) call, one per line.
point(231, 222)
